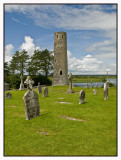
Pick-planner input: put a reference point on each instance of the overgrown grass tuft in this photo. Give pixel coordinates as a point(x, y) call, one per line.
point(52, 135)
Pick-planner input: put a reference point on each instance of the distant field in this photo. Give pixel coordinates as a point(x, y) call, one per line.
point(52, 135)
point(83, 79)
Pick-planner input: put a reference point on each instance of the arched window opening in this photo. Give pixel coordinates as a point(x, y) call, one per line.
point(60, 72)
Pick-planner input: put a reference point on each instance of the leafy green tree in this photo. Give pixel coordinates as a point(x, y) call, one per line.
point(34, 65)
point(41, 62)
point(46, 64)
point(6, 69)
point(18, 62)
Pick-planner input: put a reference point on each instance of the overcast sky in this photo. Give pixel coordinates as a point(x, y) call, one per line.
point(91, 33)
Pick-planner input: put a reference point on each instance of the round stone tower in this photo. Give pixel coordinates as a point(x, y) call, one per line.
point(60, 59)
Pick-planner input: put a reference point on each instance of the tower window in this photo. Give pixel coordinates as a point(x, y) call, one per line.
point(57, 36)
point(60, 72)
point(62, 36)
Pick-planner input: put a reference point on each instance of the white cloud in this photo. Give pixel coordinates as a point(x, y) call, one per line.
point(88, 65)
point(8, 52)
point(29, 46)
point(69, 17)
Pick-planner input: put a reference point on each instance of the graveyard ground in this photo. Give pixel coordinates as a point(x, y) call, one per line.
point(51, 134)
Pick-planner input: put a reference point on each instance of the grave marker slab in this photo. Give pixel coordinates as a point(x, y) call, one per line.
point(31, 101)
point(8, 95)
point(106, 90)
point(81, 97)
point(39, 88)
point(45, 92)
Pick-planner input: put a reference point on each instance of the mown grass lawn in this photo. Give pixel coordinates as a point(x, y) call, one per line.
point(95, 135)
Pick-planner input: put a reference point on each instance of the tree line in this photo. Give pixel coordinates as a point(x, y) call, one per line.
point(38, 66)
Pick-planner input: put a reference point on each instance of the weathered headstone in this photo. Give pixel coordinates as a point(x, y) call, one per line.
point(81, 97)
point(91, 85)
point(94, 91)
point(106, 90)
point(21, 84)
point(70, 83)
point(87, 86)
point(96, 85)
point(8, 95)
point(45, 92)
point(39, 88)
point(31, 101)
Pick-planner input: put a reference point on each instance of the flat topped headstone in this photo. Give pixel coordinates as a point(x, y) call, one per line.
point(45, 92)
point(31, 101)
point(81, 97)
point(8, 95)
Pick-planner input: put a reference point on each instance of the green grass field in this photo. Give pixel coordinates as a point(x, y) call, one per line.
point(95, 135)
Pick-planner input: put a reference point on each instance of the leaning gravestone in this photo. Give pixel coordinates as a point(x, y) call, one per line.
point(106, 90)
point(31, 101)
point(21, 84)
point(45, 92)
point(81, 97)
point(8, 95)
point(39, 88)
point(70, 83)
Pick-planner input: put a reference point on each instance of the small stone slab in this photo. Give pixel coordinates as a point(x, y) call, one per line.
point(61, 98)
point(44, 133)
point(8, 95)
point(64, 102)
point(70, 118)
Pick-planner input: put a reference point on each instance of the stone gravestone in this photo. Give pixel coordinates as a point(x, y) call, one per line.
point(70, 83)
point(31, 101)
point(94, 91)
point(91, 85)
point(39, 88)
point(45, 92)
point(106, 90)
point(21, 84)
point(81, 97)
point(8, 95)
point(87, 84)
point(96, 85)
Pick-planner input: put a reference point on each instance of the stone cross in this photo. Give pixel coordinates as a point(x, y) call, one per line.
point(45, 92)
point(21, 84)
point(70, 78)
point(81, 97)
point(39, 88)
point(8, 95)
point(106, 90)
point(31, 101)
point(29, 82)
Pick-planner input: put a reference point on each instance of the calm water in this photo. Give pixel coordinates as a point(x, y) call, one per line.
point(94, 84)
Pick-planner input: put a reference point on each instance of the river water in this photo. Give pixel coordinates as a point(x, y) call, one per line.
point(94, 83)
